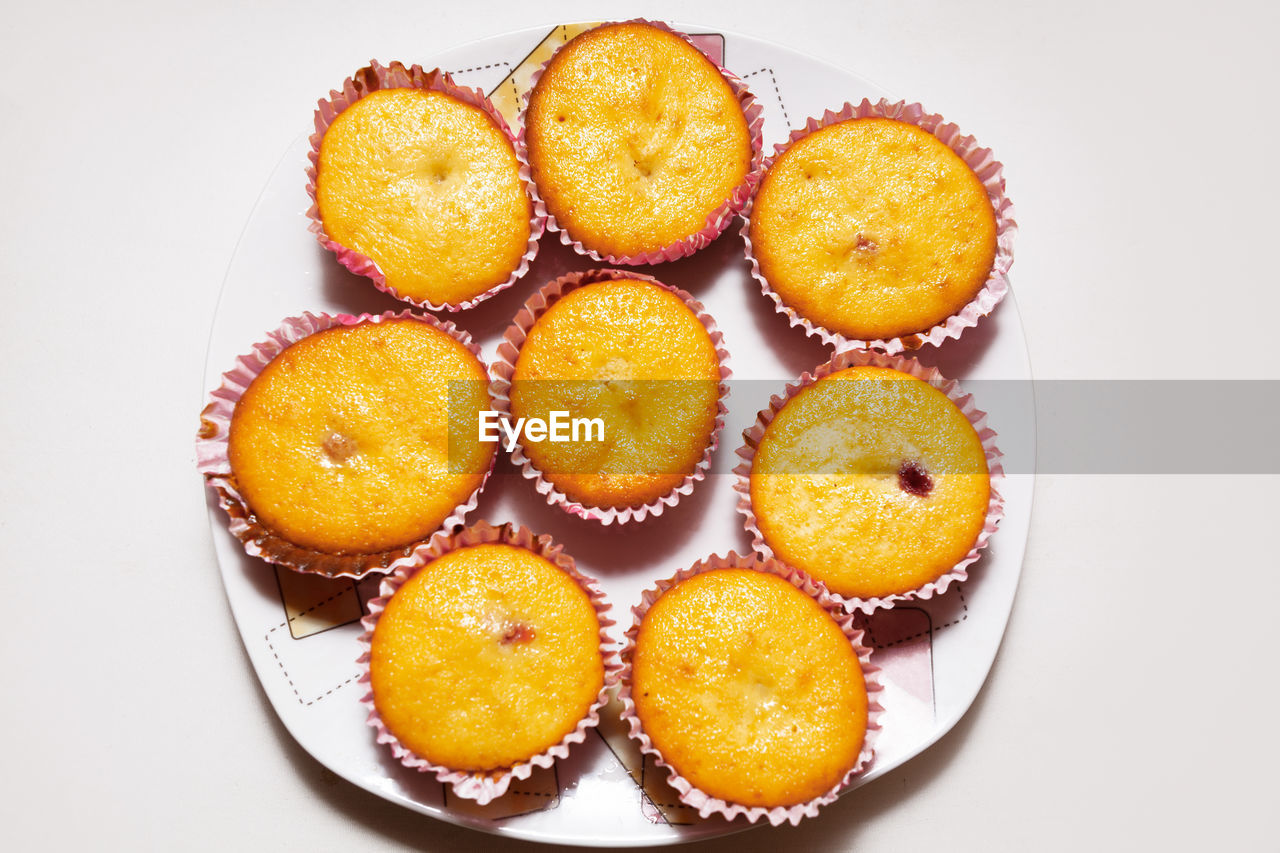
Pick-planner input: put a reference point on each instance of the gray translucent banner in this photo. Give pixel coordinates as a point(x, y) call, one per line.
point(1042, 426)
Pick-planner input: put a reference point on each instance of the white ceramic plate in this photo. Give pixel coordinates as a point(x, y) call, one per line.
point(300, 632)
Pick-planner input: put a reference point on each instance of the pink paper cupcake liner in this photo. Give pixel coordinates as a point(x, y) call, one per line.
point(483, 787)
point(717, 221)
point(213, 462)
point(396, 76)
point(963, 401)
point(691, 796)
point(504, 369)
point(989, 170)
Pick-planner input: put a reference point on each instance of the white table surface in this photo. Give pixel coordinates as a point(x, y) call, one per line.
point(1133, 700)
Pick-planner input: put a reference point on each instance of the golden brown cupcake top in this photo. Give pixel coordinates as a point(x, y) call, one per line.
point(749, 689)
point(873, 228)
point(635, 138)
point(872, 481)
point(635, 356)
point(342, 444)
point(486, 657)
point(429, 188)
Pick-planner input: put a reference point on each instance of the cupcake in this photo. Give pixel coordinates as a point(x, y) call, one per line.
point(488, 660)
point(640, 366)
point(751, 686)
point(641, 148)
point(874, 476)
point(343, 443)
point(416, 184)
point(873, 230)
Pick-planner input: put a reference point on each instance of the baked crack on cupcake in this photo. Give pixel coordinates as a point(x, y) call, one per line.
point(638, 143)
